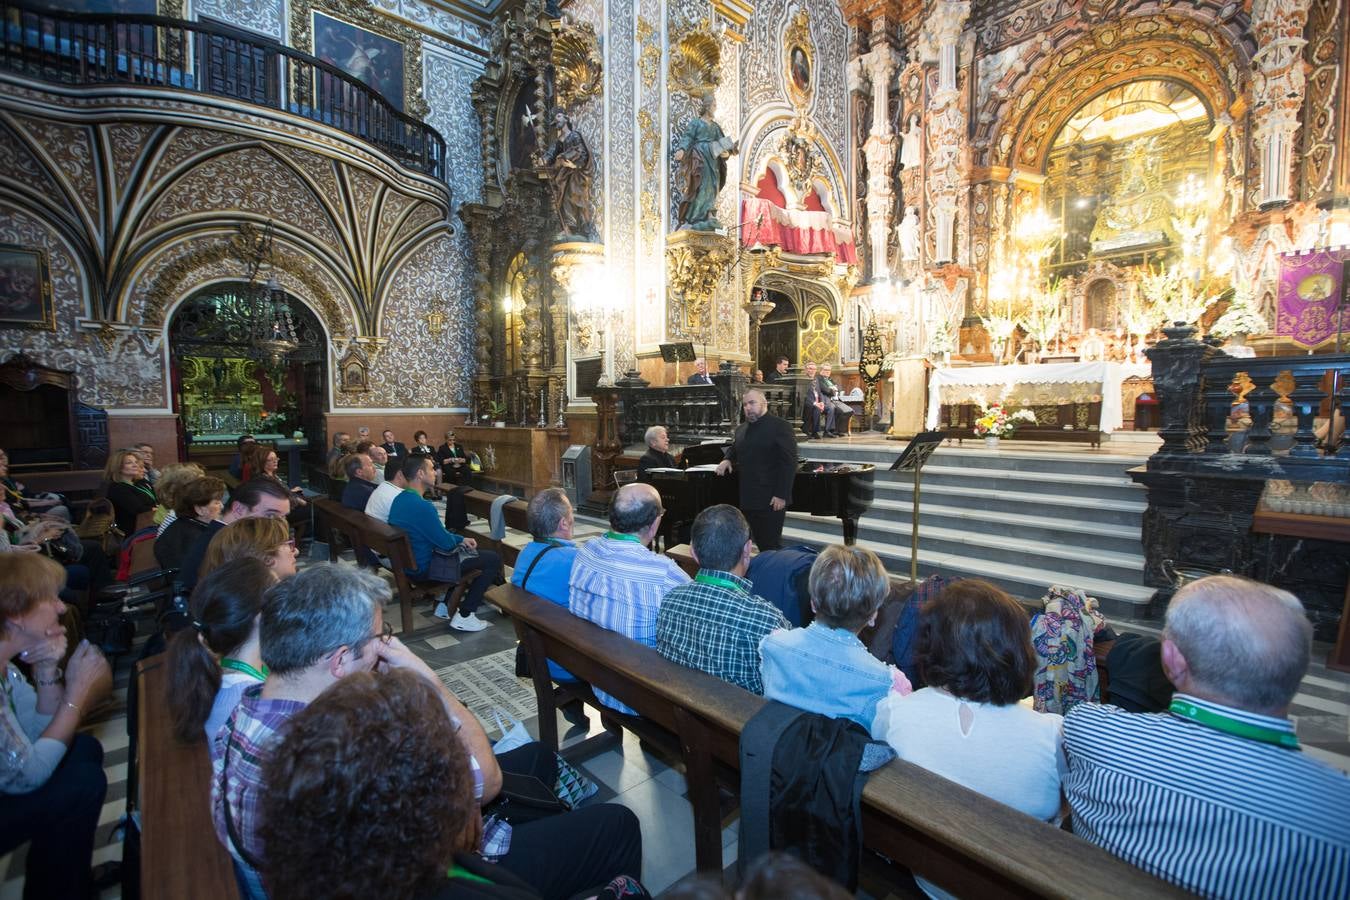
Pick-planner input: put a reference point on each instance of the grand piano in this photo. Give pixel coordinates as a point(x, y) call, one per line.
point(843, 490)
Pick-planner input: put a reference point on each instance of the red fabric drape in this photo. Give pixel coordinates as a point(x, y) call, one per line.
point(769, 190)
point(764, 224)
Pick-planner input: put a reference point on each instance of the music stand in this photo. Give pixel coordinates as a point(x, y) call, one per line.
point(912, 459)
point(682, 351)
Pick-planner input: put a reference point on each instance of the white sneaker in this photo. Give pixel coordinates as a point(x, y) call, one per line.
point(442, 611)
point(470, 622)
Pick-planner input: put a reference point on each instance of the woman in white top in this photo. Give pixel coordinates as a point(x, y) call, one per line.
point(213, 662)
point(974, 653)
point(51, 779)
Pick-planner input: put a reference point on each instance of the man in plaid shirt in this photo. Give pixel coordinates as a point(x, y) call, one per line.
point(714, 623)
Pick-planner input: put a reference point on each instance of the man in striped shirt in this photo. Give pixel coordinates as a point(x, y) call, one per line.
point(1215, 795)
point(714, 623)
point(618, 583)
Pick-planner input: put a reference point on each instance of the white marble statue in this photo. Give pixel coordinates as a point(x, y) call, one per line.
point(911, 149)
point(907, 233)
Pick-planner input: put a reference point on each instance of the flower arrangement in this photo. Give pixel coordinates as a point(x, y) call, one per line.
point(996, 421)
point(940, 339)
point(1239, 319)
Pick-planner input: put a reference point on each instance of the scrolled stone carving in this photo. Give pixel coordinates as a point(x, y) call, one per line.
point(695, 263)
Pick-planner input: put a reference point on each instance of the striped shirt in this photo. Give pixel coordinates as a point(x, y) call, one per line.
point(716, 628)
point(1217, 814)
point(618, 584)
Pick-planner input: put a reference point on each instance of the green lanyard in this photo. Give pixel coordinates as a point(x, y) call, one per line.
point(703, 578)
point(1219, 722)
point(615, 536)
point(147, 491)
point(239, 665)
point(457, 871)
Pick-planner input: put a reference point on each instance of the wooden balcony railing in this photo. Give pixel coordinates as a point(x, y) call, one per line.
point(154, 51)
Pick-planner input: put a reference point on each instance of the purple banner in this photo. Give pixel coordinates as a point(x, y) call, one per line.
point(1310, 289)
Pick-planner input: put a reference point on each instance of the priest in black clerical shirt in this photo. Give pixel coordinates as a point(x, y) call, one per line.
point(764, 455)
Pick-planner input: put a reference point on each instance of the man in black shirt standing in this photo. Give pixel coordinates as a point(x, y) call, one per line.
point(764, 455)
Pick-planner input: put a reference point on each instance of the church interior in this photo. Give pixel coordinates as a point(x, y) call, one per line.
point(1085, 263)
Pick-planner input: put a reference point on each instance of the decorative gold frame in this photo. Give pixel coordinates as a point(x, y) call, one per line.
point(353, 372)
point(796, 39)
point(43, 275)
point(369, 18)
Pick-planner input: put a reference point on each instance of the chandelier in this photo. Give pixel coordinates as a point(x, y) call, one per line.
point(270, 327)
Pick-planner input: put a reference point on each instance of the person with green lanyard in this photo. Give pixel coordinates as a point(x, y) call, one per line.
point(128, 491)
point(211, 664)
point(1215, 795)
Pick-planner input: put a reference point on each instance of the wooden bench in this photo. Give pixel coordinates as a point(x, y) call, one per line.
point(78, 487)
point(961, 840)
point(180, 856)
point(364, 533)
point(479, 503)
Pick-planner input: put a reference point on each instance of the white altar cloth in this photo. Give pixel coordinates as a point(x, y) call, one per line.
point(1109, 375)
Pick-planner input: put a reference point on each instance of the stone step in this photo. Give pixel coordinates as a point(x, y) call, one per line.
point(1050, 506)
point(1117, 538)
point(1118, 488)
point(1118, 598)
point(1038, 460)
point(1074, 559)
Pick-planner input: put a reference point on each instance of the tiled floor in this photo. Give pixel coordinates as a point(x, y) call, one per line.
point(629, 774)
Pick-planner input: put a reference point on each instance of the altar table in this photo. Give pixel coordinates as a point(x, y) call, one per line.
point(1045, 382)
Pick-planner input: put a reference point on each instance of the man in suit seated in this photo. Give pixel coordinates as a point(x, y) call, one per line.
point(842, 411)
point(816, 407)
point(396, 449)
point(700, 375)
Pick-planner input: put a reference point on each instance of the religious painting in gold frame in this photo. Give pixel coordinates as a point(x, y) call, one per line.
point(373, 25)
point(26, 288)
point(371, 58)
point(799, 60)
point(354, 377)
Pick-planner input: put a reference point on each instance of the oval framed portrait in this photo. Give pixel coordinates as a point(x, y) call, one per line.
point(799, 68)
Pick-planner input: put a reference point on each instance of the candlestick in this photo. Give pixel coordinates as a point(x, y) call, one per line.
point(543, 423)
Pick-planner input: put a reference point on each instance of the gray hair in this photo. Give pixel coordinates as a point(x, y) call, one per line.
point(718, 535)
point(847, 586)
point(650, 436)
point(1243, 640)
point(547, 511)
point(634, 507)
point(317, 611)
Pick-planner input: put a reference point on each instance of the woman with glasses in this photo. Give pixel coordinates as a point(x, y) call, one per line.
point(214, 661)
point(268, 540)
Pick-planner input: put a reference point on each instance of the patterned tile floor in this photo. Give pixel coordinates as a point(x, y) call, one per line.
point(627, 773)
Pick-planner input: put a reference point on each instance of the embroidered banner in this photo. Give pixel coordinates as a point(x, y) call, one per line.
point(1310, 289)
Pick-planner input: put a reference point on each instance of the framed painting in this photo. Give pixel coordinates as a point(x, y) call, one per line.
point(369, 57)
point(25, 289)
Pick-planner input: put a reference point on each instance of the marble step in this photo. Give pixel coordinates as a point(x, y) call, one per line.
point(1061, 461)
point(1116, 488)
point(1056, 506)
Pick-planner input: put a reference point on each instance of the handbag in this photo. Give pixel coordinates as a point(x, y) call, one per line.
point(445, 564)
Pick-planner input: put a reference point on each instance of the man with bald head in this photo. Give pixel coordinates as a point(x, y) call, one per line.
point(1215, 795)
point(764, 455)
point(617, 582)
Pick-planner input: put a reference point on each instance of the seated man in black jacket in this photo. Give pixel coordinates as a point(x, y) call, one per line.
point(658, 452)
point(361, 481)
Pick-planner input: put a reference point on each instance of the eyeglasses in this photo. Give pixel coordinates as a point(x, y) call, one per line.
point(385, 635)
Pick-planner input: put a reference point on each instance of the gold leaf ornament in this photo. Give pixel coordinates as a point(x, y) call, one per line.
point(695, 62)
point(577, 66)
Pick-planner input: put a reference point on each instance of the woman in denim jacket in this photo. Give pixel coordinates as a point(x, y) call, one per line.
point(824, 668)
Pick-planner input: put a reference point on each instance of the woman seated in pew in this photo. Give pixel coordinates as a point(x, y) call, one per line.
point(25, 502)
point(51, 778)
point(128, 491)
point(198, 505)
point(338, 804)
point(823, 668)
point(974, 652)
point(172, 479)
point(268, 540)
point(212, 662)
point(267, 461)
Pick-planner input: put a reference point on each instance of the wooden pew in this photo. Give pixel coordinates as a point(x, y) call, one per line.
point(365, 532)
point(958, 838)
point(479, 503)
point(180, 856)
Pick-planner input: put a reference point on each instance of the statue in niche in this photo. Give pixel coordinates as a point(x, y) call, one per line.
point(570, 169)
point(907, 233)
point(912, 144)
point(702, 156)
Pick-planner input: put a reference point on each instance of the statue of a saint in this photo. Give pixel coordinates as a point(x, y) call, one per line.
point(570, 166)
point(912, 144)
point(702, 156)
point(907, 234)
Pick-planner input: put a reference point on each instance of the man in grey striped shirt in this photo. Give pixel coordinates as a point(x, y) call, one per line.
point(1215, 795)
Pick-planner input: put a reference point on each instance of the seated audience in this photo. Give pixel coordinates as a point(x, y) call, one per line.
point(267, 540)
point(715, 623)
point(544, 566)
point(420, 446)
point(387, 491)
point(128, 491)
point(1215, 795)
point(823, 668)
point(453, 459)
point(817, 410)
point(617, 582)
point(199, 504)
point(325, 625)
point(210, 663)
point(24, 502)
point(378, 456)
point(658, 452)
point(361, 481)
point(172, 480)
point(396, 449)
point(974, 651)
point(147, 454)
point(842, 411)
point(243, 442)
point(338, 450)
point(419, 518)
point(258, 498)
point(51, 778)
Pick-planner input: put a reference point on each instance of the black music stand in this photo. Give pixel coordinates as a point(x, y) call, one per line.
point(915, 454)
point(682, 351)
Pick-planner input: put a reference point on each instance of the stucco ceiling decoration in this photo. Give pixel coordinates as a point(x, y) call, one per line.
point(1057, 83)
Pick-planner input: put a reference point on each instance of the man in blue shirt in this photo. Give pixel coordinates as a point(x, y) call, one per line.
point(544, 566)
point(419, 518)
